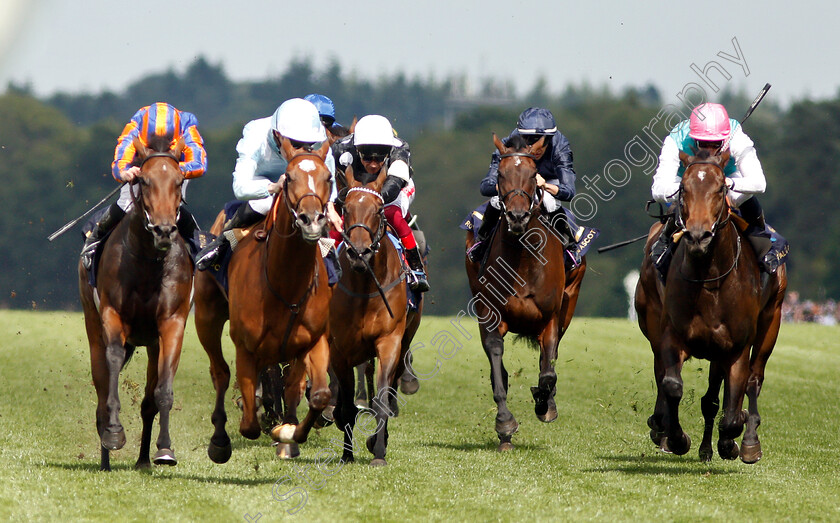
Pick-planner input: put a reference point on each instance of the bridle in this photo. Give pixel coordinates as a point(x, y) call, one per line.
point(534, 199)
point(294, 212)
point(376, 237)
point(139, 200)
point(723, 218)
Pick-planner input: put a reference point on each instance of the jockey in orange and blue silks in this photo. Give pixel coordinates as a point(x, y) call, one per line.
point(159, 119)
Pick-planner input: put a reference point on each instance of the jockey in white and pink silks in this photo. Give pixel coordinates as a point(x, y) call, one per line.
point(707, 128)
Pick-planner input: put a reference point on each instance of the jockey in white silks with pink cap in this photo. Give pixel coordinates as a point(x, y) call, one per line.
point(707, 128)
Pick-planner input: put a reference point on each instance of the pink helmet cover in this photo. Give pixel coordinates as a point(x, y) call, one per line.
point(709, 122)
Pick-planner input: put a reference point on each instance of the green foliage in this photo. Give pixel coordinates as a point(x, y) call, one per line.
point(56, 154)
point(596, 462)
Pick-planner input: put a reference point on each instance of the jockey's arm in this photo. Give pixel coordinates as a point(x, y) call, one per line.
point(666, 181)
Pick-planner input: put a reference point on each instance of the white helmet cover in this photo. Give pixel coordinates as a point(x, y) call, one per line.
point(298, 119)
point(374, 129)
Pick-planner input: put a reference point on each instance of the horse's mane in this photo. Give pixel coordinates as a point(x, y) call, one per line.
point(703, 154)
point(516, 142)
point(339, 130)
point(160, 143)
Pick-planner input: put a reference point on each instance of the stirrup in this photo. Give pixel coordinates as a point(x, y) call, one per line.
point(205, 258)
point(475, 252)
point(418, 281)
point(87, 254)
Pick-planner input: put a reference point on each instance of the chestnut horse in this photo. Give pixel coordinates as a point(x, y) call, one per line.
point(522, 288)
point(712, 306)
point(368, 313)
point(142, 297)
point(277, 304)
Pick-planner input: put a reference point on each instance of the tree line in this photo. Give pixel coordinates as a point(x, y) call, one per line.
point(55, 155)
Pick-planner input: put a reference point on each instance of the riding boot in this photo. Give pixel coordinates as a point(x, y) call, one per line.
point(333, 266)
point(567, 236)
point(752, 213)
point(109, 220)
point(419, 283)
point(488, 223)
point(187, 227)
point(664, 241)
point(244, 216)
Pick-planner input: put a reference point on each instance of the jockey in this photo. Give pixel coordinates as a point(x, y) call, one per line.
point(260, 168)
point(326, 110)
point(371, 147)
point(157, 119)
point(707, 128)
point(555, 176)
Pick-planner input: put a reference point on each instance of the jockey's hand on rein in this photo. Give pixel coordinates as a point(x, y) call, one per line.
point(127, 175)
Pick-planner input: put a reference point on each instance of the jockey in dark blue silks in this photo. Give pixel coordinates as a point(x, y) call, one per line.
point(555, 176)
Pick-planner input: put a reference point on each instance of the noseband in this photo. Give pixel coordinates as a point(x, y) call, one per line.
point(380, 231)
point(534, 199)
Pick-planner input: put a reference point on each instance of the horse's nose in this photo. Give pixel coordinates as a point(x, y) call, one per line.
point(698, 238)
point(165, 231)
point(518, 217)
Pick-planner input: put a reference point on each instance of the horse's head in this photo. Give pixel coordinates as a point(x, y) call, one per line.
point(160, 181)
point(702, 199)
point(517, 182)
point(307, 188)
point(364, 219)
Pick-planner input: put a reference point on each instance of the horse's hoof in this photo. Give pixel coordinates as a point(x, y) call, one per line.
point(165, 457)
point(284, 433)
point(142, 465)
point(288, 450)
point(751, 453)
point(656, 436)
point(113, 440)
point(378, 462)
point(410, 386)
point(549, 416)
point(325, 418)
point(371, 441)
point(728, 449)
point(505, 446)
point(679, 449)
point(361, 403)
point(219, 453)
point(706, 453)
point(507, 428)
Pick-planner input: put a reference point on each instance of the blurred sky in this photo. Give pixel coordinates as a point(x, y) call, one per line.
point(94, 45)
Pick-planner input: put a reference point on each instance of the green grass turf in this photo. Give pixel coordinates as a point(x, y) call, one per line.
point(595, 462)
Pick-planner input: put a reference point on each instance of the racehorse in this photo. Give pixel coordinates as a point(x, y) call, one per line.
point(277, 304)
point(714, 306)
point(369, 313)
point(142, 297)
point(523, 286)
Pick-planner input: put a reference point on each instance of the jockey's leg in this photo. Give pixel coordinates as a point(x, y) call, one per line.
point(244, 216)
point(187, 227)
point(751, 212)
point(395, 217)
point(109, 220)
point(658, 249)
point(488, 223)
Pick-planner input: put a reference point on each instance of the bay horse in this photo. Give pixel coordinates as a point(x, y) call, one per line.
point(522, 288)
point(369, 313)
point(277, 303)
point(714, 306)
point(141, 298)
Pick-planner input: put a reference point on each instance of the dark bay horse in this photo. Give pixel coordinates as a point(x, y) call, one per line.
point(142, 298)
point(277, 304)
point(712, 306)
point(368, 313)
point(524, 287)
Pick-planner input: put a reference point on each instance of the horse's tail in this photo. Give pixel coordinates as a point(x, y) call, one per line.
point(530, 340)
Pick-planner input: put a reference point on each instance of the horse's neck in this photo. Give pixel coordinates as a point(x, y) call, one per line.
point(536, 245)
point(286, 248)
point(138, 239)
point(386, 266)
point(719, 259)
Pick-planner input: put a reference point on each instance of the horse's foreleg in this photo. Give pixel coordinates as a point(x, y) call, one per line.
point(113, 435)
point(671, 387)
point(210, 318)
point(570, 295)
point(506, 424)
point(732, 423)
point(362, 397)
point(544, 405)
point(709, 405)
point(388, 349)
point(100, 374)
point(346, 410)
point(317, 362)
point(171, 338)
point(762, 348)
point(148, 407)
point(247, 376)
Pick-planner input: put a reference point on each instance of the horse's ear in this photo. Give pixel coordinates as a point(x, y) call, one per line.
point(684, 158)
point(139, 148)
point(286, 148)
point(351, 178)
point(499, 145)
point(324, 150)
point(179, 147)
point(724, 158)
point(353, 125)
point(377, 184)
point(538, 148)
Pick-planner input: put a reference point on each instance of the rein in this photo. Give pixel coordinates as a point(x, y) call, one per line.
point(139, 200)
point(534, 199)
point(725, 274)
